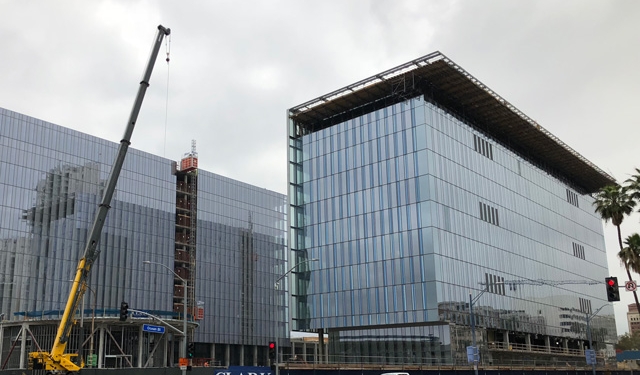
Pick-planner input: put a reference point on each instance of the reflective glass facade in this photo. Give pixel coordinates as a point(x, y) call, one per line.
point(51, 181)
point(411, 210)
point(241, 246)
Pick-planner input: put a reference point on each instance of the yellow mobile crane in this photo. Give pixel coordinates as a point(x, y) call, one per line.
point(57, 361)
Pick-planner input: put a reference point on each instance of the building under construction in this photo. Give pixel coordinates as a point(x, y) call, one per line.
point(169, 222)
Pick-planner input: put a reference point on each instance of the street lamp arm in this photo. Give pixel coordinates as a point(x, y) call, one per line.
point(169, 269)
point(169, 325)
point(476, 298)
point(588, 315)
point(597, 311)
point(291, 270)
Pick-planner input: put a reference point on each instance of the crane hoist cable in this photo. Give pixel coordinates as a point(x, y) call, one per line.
point(166, 105)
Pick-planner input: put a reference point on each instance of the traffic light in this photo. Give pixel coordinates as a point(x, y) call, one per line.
point(272, 350)
point(124, 310)
point(191, 348)
point(613, 290)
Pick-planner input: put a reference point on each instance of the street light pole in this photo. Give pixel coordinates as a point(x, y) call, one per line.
point(473, 324)
point(183, 349)
point(588, 318)
point(93, 324)
point(473, 333)
point(277, 287)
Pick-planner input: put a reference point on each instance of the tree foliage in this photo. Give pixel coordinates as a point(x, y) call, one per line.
point(630, 254)
point(633, 185)
point(628, 342)
point(614, 203)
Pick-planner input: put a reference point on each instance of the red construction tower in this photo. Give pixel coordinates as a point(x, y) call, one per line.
point(186, 220)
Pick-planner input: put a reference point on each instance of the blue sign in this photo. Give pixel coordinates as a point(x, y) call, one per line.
point(244, 370)
point(471, 354)
point(591, 356)
point(628, 355)
point(152, 329)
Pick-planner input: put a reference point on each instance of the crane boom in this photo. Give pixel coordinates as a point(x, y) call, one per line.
point(57, 360)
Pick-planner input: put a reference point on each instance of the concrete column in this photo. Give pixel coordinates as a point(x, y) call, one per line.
point(23, 346)
point(547, 343)
point(140, 336)
point(565, 345)
point(326, 354)
point(227, 355)
point(212, 354)
point(1, 337)
point(304, 351)
point(527, 339)
point(165, 348)
point(321, 348)
point(241, 355)
point(255, 355)
point(507, 345)
point(101, 348)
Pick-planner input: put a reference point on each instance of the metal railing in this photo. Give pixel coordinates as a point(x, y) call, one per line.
point(535, 348)
point(308, 361)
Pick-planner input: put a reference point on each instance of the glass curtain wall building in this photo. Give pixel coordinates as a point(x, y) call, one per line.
point(51, 182)
point(420, 189)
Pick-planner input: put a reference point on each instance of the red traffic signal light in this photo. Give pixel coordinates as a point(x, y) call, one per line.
point(272, 350)
point(613, 290)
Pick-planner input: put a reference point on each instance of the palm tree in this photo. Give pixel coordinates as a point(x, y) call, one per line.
point(613, 203)
point(633, 185)
point(630, 255)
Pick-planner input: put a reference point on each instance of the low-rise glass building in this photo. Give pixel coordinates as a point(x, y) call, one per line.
point(224, 237)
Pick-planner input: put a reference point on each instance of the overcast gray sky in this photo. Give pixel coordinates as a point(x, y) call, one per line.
point(236, 66)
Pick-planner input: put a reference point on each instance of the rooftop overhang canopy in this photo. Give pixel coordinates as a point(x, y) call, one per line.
point(446, 84)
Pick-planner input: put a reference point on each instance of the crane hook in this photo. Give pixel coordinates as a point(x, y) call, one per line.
point(168, 46)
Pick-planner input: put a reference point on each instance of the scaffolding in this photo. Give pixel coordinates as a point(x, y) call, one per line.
point(186, 224)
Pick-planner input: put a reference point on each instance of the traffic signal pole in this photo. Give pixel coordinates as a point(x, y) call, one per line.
point(588, 318)
point(183, 347)
point(472, 317)
point(277, 287)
